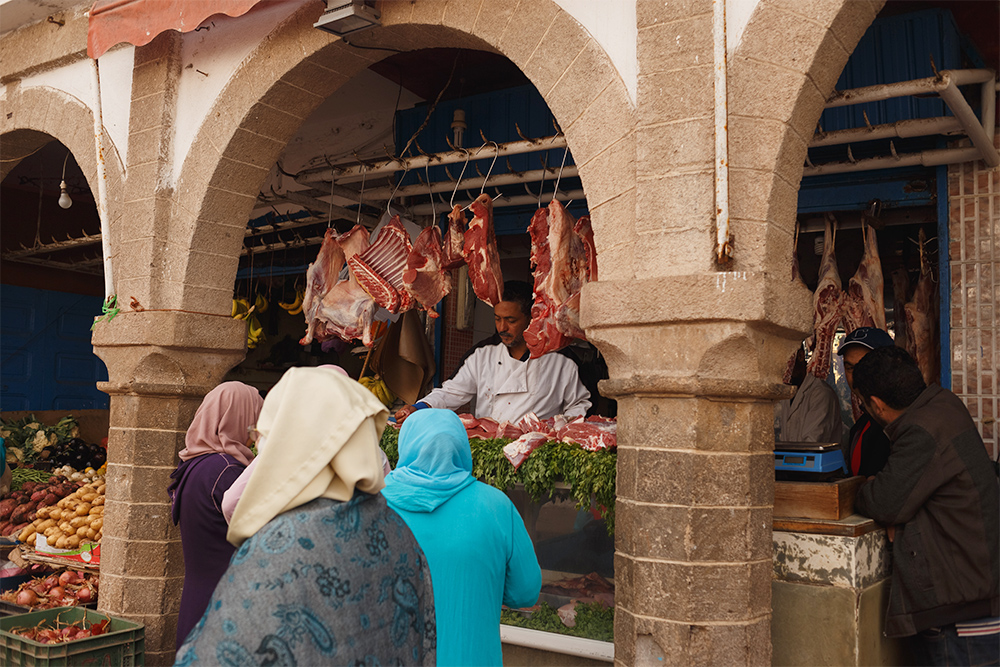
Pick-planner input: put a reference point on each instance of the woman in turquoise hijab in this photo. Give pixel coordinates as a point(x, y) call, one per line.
point(478, 550)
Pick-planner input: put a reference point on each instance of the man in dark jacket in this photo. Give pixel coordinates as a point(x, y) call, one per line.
point(939, 496)
point(866, 448)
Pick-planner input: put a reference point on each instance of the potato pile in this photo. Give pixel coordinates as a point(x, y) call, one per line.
point(76, 519)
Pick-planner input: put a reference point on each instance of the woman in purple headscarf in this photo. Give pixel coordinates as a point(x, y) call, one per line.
point(214, 455)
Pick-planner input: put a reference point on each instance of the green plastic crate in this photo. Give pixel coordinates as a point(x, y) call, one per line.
point(122, 644)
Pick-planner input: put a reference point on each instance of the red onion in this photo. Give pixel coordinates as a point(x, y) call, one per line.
point(51, 581)
point(69, 577)
point(57, 592)
point(26, 598)
point(84, 595)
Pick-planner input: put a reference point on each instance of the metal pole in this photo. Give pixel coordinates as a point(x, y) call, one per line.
point(102, 184)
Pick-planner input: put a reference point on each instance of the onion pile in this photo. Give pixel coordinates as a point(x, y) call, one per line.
point(65, 590)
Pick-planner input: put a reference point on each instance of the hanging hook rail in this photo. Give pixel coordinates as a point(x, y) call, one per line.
point(394, 164)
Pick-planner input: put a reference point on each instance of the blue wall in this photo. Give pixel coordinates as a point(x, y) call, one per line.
point(47, 361)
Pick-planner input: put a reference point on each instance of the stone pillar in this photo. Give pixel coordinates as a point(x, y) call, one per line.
point(695, 353)
point(160, 365)
point(695, 370)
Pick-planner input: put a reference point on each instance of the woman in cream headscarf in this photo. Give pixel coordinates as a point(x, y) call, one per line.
point(324, 572)
point(214, 455)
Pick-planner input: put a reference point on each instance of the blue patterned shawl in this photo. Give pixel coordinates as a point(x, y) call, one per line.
point(327, 583)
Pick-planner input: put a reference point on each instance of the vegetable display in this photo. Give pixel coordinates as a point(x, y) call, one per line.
point(589, 475)
point(67, 589)
point(60, 632)
point(26, 438)
point(20, 508)
point(76, 519)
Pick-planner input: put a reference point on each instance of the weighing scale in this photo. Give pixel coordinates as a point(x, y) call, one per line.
point(808, 460)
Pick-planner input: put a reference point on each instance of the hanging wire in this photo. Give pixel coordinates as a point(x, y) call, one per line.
point(388, 202)
point(468, 156)
point(329, 217)
point(427, 171)
point(541, 184)
point(361, 195)
point(559, 177)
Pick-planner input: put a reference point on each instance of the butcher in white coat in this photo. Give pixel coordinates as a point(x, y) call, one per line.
point(505, 382)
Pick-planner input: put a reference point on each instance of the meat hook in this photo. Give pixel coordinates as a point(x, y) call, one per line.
point(395, 190)
point(468, 156)
point(517, 128)
point(361, 193)
point(495, 156)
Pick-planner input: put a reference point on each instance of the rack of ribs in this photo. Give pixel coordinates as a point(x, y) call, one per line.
point(379, 269)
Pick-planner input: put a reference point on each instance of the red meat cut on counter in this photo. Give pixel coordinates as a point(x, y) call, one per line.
point(480, 252)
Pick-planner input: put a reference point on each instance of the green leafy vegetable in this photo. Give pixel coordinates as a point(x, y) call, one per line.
point(28, 437)
point(593, 621)
point(589, 475)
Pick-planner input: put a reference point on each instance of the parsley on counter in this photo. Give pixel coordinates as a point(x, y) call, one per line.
point(589, 475)
point(593, 621)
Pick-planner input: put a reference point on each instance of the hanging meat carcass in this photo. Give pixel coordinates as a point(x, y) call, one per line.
point(900, 293)
point(864, 304)
point(921, 316)
point(564, 259)
point(425, 278)
point(480, 252)
point(828, 301)
point(796, 278)
point(345, 310)
point(321, 276)
point(583, 269)
point(379, 269)
point(452, 250)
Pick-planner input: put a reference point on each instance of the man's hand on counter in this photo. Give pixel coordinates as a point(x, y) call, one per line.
point(404, 412)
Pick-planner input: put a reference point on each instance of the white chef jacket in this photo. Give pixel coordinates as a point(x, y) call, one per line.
point(506, 389)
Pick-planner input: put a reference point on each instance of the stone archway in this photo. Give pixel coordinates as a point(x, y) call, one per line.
point(257, 116)
point(31, 117)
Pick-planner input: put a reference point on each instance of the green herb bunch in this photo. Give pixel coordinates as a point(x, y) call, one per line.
point(589, 475)
point(593, 621)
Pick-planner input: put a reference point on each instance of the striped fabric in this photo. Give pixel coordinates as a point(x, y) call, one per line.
point(982, 626)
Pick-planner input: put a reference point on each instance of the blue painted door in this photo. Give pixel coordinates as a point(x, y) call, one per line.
point(47, 361)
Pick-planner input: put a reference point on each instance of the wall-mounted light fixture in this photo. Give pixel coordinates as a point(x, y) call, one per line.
point(343, 17)
point(458, 126)
point(64, 199)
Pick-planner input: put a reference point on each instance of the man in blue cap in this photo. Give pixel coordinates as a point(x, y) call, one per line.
point(867, 447)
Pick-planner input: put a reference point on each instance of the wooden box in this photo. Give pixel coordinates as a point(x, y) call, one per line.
point(816, 500)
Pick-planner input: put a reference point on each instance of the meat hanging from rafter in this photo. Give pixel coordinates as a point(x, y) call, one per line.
point(425, 278)
point(921, 316)
point(796, 278)
point(480, 252)
point(828, 300)
point(864, 303)
point(379, 269)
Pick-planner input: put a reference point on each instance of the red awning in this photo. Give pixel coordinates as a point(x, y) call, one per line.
point(139, 21)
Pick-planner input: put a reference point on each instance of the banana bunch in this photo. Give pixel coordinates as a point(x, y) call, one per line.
point(376, 385)
point(295, 307)
point(242, 310)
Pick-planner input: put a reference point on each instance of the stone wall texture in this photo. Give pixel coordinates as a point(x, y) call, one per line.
point(974, 258)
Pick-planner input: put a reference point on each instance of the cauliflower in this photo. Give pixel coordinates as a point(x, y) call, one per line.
point(32, 426)
point(53, 439)
point(74, 432)
point(4, 433)
point(40, 440)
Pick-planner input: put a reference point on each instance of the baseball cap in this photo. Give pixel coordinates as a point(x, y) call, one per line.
point(870, 337)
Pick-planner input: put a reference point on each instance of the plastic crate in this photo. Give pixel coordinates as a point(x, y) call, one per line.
point(123, 644)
